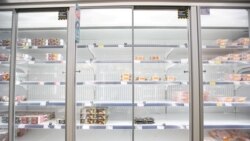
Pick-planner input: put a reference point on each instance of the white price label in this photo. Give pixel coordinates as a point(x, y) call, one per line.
point(173, 104)
point(31, 62)
point(184, 61)
point(57, 83)
point(160, 127)
point(43, 103)
point(228, 104)
point(18, 82)
point(87, 104)
point(58, 126)
point(236, 83)
point(139, 127)
point(124, 82)
point(137, 61)
point(245, 47)
point(140, 104)
point(109, 127)
point(121, 46)
point(204, 46)
point(41, 83)
point(91, 46)
point(45, 126)
point(0, 62)
point(182, 46)
point(34, 47)
point(85, 127)
point(21, 126)
point(186, 104)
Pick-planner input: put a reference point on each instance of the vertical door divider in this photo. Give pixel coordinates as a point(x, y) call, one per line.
point(11, 114)
point(133, 80)
point(70, 117)
point(195, 76)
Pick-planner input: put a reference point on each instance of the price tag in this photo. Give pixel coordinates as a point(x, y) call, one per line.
point(140, 104)
point(88, 104)
point(160, 127)
point(41, 83)
point(186, 104)
point(21, 126)
point(34, 47)
point(57, 83)
point(101, 46)
point(228, 104)
point(217, 62)
point(173, 104)
point(91, 46)
point(236, 83)
point(204, 46)
point(137, 61)
point(109, 127)
point(219, 104)
point(85, 127)
point(45, 126)
point(222, 46)
point(18, 82)
point(43, 103)
point(0, 62)
point(58, 126)
point(184, 61)
point(31, 62)
point(121, 46)
point(182, 46)
point(245, 47)
point(124, 82)
point(139, 127)
point(212, 83)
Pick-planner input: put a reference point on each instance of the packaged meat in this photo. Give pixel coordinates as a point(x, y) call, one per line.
point(139, 58)
point(4, 57)
point(126, 76)
point(240, 99)
point(4, 76)
point(6, 43)
point(155, 78)
point(140, 78)
point(55, 42)
point(39, 42)
point(155, 58)
point(54, 57)
point(170, 78)
point(24, 42)
point(222, 42)
point(235, 77)
point(243, 41)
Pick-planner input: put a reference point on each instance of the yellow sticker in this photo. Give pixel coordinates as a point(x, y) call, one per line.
point(212, 83)
point(217, 62)
point(222, 46)
point(218, 104)
point(101, 46)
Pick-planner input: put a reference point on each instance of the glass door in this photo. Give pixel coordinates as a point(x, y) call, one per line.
point(104, 75)
point(225, 54)
point(40, 76)
point(161, 90)
point(5, 48)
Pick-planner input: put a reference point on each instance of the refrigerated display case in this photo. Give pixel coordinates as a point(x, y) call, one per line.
point(225, 49)
point(135, 70)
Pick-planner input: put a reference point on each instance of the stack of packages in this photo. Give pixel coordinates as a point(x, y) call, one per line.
point(39, 42)
point(93, 115)
point(5, 43)
point(4, 76)
point(29, 117)
point(55, 42)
